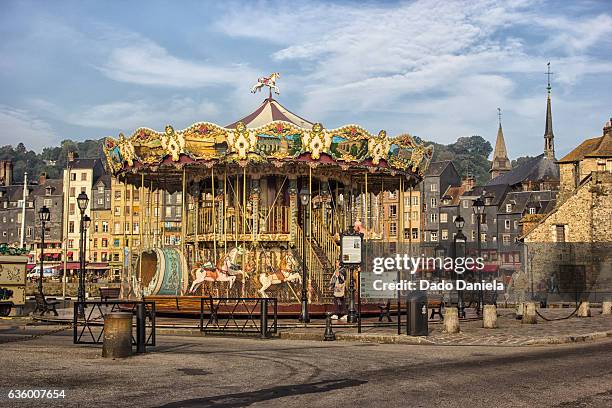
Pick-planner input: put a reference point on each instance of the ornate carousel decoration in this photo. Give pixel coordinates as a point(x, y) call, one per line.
point(241, 186)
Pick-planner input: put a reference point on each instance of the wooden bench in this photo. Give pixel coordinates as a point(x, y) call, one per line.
point(109, 293)
point(435, 303)
point(385, 310)
point(45, 306)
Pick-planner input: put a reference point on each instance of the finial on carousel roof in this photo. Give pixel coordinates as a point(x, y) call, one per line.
point(269, 81)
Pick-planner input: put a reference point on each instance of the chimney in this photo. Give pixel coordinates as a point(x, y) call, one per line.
point(72, 156)
point(42, 179)
point(468, 183)
point(607, 130)
point(6, 172)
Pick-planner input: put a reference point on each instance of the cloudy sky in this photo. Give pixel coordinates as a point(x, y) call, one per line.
point(436, 69)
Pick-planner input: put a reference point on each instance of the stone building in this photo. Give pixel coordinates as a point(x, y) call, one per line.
point(438, 178)
point(100, 236)
point(573, 242)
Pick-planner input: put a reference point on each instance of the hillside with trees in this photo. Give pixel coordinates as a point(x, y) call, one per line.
point(469, 154)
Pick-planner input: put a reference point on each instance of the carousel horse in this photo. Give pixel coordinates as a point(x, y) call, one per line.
point(226, 271)
point(285, 273)
point(267, 81)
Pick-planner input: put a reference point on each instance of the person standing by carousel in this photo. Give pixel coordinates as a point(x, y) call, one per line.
point(338, 284)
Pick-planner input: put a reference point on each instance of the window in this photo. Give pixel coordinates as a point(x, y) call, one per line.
point(434, 236)
point(443, 218)
point(71, 227)
point(30, 232)
point(127, 194)
point(168, 211)
point(101, 190)
point(508, 208)
point(415, 233)
point(532, 210)
point(415, 215)
point(83, 176)
point(117, 228)
point(71, 243)
point(48, 202)
point(72, 191)
point(433, 217)
point(95, 257)
point(127, 227)
point(393, 229)
point(559, 233)
point(127, 210)
point(515, 224)
point(507, 224)
point(116, 244)
point(483, 237)
point(392, 195)
point(506, 239)
point(95, 242)
point(117, 211)
point(104, 226)
point(117, 195)
point(393, 210)
point(433, 202)
point(96, 227)
point(136, 227)
point(433, 187)
point(466, 204)
point(473, 235)
point(100, 200)
point(72, 208)
point(136, 195)
point(444, 234)
point(104, 242)
point(179, 211)
point(72, 176)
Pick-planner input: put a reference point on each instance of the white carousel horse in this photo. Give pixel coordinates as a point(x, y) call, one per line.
point(267, 81)
point(227, 272)
point(285, 273)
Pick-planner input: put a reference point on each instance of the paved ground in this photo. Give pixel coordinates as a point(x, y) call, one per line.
point(231, 372)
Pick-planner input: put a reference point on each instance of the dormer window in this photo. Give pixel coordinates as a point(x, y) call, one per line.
point(508, 208)
point(48, 191)
point(532, 210)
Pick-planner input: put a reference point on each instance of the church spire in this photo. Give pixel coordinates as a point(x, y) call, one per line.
point(500, 164)
point(549, 137)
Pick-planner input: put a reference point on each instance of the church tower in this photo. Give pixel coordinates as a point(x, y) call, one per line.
point(549, 137)
point(500, 164)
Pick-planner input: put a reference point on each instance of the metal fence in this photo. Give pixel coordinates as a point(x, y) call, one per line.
point(239, 315)
point(89, 328)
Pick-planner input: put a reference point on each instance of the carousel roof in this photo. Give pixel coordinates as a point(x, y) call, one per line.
point(269, 111)
point(271, 134)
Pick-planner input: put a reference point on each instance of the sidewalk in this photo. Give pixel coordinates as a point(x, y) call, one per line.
point(510, 332)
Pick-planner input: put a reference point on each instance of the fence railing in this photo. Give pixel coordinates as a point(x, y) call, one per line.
point(239, 315)
point(271, 220)
point(89, 329)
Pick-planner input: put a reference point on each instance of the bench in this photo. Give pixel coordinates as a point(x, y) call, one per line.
point(45, 306)
point(109, 293)
point(434, 303)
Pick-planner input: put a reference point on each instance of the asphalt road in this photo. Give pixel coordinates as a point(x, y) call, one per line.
point(232, 372)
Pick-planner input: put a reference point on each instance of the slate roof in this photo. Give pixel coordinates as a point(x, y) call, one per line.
point(535, 169)
point(84, 163)
point(105, 179)
point(522, 200)
point(437, 168)
point(496, 192)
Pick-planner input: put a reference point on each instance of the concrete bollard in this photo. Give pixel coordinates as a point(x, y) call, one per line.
point(117, 335)
point(529, 313)
point(489, 317)
point(451, 320)
point(606, 307)
point(584, 310)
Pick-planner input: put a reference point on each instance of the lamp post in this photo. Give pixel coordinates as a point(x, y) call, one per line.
point(479, 208)
point(44, 215)
point(82, 202)
point(304, 199)
point(459, 237)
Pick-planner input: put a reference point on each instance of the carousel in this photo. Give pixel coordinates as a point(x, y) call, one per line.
point(259, 198)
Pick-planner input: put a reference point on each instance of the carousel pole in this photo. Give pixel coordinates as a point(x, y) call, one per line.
point(197, 224)
point(140, 223)
point(244, 205)
point(236, 210)
point(183, 213)
point(410, 220)
point(225, 212)
point(310, 234)
point(163, 223)
point(214, 213)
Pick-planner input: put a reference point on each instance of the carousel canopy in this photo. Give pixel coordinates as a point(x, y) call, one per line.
point(271, 135)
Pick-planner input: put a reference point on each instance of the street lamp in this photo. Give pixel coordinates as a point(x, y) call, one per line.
point(479, 208)
point(82, 202)
point(44, 215)
point(459, 237)
point(304, 199)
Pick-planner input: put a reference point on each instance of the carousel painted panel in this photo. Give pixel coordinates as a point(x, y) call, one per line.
point(349, 143)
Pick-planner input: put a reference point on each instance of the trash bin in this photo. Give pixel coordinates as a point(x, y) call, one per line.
point(117, 341)
point(416, 303)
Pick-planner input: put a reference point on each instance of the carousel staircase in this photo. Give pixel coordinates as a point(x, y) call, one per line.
point(318, 264)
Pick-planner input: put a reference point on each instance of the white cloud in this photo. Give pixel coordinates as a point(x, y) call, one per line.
point(20, 125)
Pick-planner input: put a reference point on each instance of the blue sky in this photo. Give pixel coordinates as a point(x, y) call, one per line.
point(436, 69)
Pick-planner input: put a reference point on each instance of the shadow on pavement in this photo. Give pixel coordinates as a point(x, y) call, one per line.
point(244, 399)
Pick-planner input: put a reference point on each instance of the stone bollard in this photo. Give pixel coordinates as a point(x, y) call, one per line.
point(489, 317)
point(117, 335)
point(606, 307)
point(529, 313)
point(451, 320)
point(329, 334)
point(584, 310)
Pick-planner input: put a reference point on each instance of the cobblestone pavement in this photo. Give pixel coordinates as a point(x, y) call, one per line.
point(510, 332)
